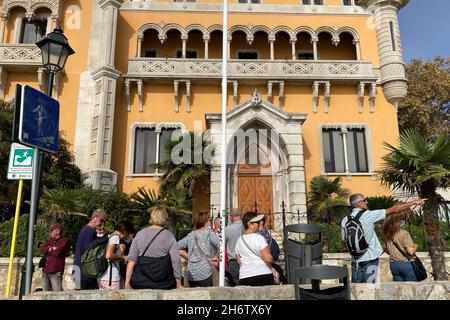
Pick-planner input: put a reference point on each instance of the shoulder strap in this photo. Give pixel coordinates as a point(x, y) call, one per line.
point(248, 247)
point(401, 251)
point(148, 246)
point(202, 253)
point(359, 214)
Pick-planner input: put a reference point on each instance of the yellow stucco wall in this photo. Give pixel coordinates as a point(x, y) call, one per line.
point(159, 98)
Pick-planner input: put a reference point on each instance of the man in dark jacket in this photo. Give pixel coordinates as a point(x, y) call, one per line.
point(87, 234)
point(56, 249)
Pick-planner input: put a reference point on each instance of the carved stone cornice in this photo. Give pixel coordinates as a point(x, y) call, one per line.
point(106, 3)
point(31, 6)
point(105, 72)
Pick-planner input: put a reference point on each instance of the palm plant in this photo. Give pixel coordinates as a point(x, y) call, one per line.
point(176, 202)
point(60, 202)
point(421, 166)
point(189, 172)
point(327, 199)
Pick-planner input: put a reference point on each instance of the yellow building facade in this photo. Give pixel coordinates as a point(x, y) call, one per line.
point(322, 78)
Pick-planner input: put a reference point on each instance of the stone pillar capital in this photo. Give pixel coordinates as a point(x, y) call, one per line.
point(107, 3)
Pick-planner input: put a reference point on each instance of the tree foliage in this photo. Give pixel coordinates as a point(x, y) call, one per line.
point(177, 203)
point(420, 166)
point(192, 170)
point(427, 105)
point(327, 199)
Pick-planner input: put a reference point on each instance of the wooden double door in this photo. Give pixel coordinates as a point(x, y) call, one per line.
point(255, 194)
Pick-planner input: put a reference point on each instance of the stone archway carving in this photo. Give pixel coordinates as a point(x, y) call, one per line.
point(288, 177)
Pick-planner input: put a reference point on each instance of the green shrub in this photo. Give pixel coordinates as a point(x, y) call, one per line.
point(6, 230)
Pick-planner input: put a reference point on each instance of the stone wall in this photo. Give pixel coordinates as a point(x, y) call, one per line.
point(68, 284)
point(438, 290)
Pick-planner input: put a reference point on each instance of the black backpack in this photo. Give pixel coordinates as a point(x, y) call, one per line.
point(354, 235)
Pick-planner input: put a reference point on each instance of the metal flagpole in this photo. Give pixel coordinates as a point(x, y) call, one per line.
point(223, 167)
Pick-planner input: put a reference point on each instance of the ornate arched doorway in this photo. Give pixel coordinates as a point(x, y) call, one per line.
point(255, 183)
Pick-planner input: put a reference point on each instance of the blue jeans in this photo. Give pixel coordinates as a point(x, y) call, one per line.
point(402, 271)
point(365, 271)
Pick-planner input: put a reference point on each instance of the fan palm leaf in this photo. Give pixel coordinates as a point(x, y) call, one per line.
point(421, 166)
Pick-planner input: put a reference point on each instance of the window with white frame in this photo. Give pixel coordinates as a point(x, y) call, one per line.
point(149, 148)
point(345, 150)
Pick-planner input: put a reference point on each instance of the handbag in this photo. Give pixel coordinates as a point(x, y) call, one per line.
point(214, 271)
point(43, 260)
point(275, 273)
point(416, 263)
point(153, 272)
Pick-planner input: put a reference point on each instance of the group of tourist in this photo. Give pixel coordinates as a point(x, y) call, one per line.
point(250, 253)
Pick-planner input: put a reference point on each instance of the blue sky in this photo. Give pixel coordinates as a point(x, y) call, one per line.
point(425, 29)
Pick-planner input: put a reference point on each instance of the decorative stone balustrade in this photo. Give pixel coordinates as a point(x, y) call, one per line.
point(23, 55)
point(250, 69)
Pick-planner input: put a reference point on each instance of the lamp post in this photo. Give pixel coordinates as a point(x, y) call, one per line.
point(55, 50)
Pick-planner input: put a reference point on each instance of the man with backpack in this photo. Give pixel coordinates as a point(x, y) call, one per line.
point(358, 233)
point(86, 236)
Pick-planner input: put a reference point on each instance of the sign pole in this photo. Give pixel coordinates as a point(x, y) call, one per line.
point(35, 183)
point(14, 238)
point(35, 191)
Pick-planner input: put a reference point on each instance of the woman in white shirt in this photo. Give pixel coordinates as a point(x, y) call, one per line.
point(253, 254)
point(112, 278)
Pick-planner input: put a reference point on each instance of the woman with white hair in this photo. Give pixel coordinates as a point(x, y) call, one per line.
point(153, 260)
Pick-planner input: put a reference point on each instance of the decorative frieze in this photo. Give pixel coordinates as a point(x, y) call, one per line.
point(249, 69)
point(20, 55)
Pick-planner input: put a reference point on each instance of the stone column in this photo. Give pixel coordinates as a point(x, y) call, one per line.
point(158, 141)
point(206, 41)
point(139, 46)
point(3, 27)
point(358, 49)
point(184, 41)
point(293, 42)
point(272, 50)
point(235, 93)
point(314, 42)
point(104, 77)
point(344, 132)
point(229, 47)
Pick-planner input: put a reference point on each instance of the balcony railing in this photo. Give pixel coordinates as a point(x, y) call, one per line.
point(20, 55)
point(248, 69)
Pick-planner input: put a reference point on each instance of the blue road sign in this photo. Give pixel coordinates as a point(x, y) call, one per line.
point(39, 120)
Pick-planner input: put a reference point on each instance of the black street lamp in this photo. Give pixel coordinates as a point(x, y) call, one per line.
point(55, 50)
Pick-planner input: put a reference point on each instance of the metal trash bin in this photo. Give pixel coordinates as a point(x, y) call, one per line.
point(300, 254)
